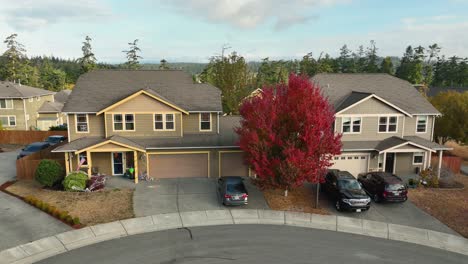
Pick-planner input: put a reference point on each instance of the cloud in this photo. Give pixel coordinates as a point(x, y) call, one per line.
point(249, 14)
point(31, 15)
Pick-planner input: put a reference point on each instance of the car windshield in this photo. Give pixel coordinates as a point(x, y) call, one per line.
point(235, 188)
point(32, 148)
point(54, 139)
point(349, 184)
point(394, 187)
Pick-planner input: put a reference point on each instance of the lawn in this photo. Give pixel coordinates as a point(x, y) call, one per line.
point(299, 200)
point(92, 208)
point(449, 206)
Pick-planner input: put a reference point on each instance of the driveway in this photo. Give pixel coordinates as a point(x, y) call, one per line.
point(19, 222)
point(186, 194)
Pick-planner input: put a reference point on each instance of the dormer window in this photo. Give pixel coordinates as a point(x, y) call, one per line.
point(421, 124)
point(205, 121)
point(351, 125)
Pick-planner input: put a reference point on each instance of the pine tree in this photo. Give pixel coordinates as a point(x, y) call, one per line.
point(88, 61)
point(132, 56)
point(371, 58)
point(345, 61)
point(387, 65)
point(15, 59)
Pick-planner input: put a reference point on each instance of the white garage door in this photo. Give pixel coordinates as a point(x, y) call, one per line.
point(354, 163)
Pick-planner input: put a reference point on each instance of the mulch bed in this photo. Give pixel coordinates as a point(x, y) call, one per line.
point(299, 200)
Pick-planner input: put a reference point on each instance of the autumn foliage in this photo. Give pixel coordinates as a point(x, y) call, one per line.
point(287, 134)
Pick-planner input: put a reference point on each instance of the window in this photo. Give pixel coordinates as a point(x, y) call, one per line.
point(83, 159)
point(421, 124)
point(418, 158)
point(388, 124)
point(351, 125)
point(164, 122)
point(8, 121)
point(120, 125)
point(205, 121)
point(82, 123)
point(6, 104)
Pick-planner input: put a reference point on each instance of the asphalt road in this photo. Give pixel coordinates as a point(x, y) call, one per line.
point(254, 244)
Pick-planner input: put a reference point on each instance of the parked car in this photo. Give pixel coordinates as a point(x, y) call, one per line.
point(55, 139)
point(232, 191)
point(384, 186)
point(346, 191)
point(33, 147)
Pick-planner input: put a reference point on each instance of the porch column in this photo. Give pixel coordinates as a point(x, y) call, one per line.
point(135, 165)
point(426, 154)
point(90, 165)
point(384, 160)
point(67, 164)
point(440, 164)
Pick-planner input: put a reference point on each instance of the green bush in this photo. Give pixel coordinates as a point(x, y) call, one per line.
point(49, 172)
point(75, 181)
point(76, 221)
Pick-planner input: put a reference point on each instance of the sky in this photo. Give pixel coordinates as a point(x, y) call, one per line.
point(195, 30)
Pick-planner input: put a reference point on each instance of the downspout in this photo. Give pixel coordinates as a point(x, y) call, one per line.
point(217, 123)
point(433, 124)
point(68, 128)
point(25, 114)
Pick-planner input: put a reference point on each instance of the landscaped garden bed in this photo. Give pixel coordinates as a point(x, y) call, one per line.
point(301, 199)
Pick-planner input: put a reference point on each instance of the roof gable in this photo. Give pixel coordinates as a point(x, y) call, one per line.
point(360, 103)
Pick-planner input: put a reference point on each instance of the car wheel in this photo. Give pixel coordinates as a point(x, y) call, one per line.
point(338, 206)
point(376, 198)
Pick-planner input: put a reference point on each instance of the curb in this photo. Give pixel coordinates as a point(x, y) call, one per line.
point(60, 243)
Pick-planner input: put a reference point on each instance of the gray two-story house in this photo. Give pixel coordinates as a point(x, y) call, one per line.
point(160, 123)
point(386, 124)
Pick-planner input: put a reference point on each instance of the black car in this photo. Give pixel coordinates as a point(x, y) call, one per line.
point(384, 186)
point(232, 191)
point(346, 191)
point(55, 139)
point(33, 147)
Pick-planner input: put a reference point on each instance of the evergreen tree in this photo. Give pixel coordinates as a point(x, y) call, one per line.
point(88, 61)
point(411, 65)
point(360, 59)
point(386, 66)
point(132, 56)
point(51, 78)
point(163, 65)
point(371, 58)
point(346, 62)
point(14, 59)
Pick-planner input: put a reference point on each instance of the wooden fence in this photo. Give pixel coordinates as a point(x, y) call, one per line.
point(451, 162)
point(26, 166)
point(24, 137)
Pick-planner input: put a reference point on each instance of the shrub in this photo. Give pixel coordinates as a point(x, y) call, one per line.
point(76, 221)
point(63, 216)
point(38, 204)
point(45, 207)
point(430, 178)
point(75, 181)
point(49, 172)
point(69, 219)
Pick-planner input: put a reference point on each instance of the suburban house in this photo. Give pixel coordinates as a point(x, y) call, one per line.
point(20, 104)
point(158, 122)
point(50, 113)
point(386, 124)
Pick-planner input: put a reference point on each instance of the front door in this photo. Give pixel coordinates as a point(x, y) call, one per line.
point(117, 163)
point(389, 162)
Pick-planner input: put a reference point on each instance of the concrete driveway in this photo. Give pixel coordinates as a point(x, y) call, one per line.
point(186, 194)
point(19, 222)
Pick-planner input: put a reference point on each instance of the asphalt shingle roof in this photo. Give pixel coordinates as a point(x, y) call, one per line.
point(50, 107)
point(62, 96)
point(14, 90)
point(338, 87)
point(98, 89)
point(389, 143)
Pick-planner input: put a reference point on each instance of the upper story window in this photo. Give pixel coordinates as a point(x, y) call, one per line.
point(421, 124)
point(124, 122)
point(82, 124)
point(164, 122)
point(351, 125)
point(8, 121)
point(205, 121)
point(6, 104)
point(388, 124)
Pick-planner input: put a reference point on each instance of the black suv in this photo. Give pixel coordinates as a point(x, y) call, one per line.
point(346, 191)
point(384, 186)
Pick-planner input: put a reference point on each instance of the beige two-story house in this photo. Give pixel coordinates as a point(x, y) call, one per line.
point(160, 123)
point(20, 104)
point(386, 124)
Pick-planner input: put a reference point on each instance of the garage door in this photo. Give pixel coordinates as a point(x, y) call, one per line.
point(232, 164)
point(354, 163)
point(178, 165)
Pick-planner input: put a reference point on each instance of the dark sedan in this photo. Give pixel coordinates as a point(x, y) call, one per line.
point(55, 139)
point(232, 191)
point(383, 186)
point(32, 148)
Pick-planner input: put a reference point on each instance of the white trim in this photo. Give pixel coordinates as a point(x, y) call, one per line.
point(8, 120)
point(432, 132)
point(124, 127)
point(209, 147)
point(76, 124)
point(367, 115)
point(418, 154)
point(164, 121)
point(352, 119)
point(200, 121)
point(123, 163)
point(38, 98)
point(404, 144)
point(425, 124)
point(75, 113)
point(79, 160)
point(217, 123)
point(394, 162)
point(387, 124)
point(377, 97)
point(68, 129)
point(6, 107)
point(205, 112)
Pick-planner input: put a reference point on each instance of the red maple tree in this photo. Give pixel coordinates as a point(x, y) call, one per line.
point(287, 134)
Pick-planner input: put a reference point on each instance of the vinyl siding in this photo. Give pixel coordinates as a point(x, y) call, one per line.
point(95, 127)
point(404, 164)
point(371, 106)
point(103, 162)
point(192, 124)
point(33, 107)
point(369, 129)
point(142, 104)
point(410, 127)
point(144, 127)
point(18, 112)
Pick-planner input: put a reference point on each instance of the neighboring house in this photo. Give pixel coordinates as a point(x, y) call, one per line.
point(387, 125)
point(159, 122)
point(50, 113)
point(19, 105)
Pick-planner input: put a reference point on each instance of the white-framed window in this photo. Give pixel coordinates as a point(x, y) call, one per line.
point(82, 124)
point(388, 124)
point(8, 121)
point(205, 121)
point(351, 125)
point(6, 103)
point(418, 158)
point(164, 122)
point(421, 124)
point(83, 159)
point(31, 99)
point(124, 122)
